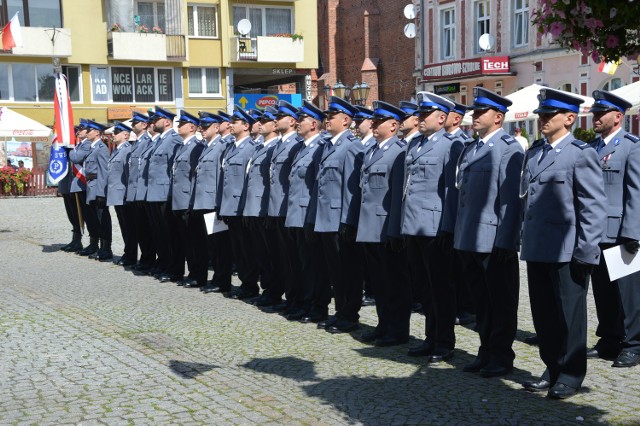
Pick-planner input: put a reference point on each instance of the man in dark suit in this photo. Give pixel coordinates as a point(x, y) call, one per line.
point(564, 216)
point(379, 229)
point(118, 177)
point(618, 301)
point(428, 219)
point(487, 231)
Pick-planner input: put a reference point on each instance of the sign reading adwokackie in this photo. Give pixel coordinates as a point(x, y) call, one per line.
point(466, 68)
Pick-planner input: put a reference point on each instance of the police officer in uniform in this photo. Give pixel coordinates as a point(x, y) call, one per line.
point(255, 129)
point(618, 301)
point(203, 201)
point(428, 220)
point(95, 166)
point(192, 243)
point(71, 203)
point(487, 231)
point(379, 227)
point(564, 217)
point(335, 215)
point(234, 166)
point(141, 228)
point(118, 177)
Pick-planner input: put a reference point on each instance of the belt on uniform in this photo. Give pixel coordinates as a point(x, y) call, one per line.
point(91, 176)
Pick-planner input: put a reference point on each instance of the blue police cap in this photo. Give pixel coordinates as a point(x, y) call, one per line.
point(363, 113)
point(185, 117)
point(207, 118)
point(83, 123)
point(240, 114)
point(119, 126)
point(551, 101)
point(607, 101)
point(459, 108)
point(428, 102)
point(383, 110)
point(337, 105)
point(224, 116)
point(255, 114)
point(409, 108)
point(76, 129)
point(486, 99)
point(90, 124)
point(139, 118)
point(310, 110)
point(269, 114)
point(163, 113)
point(285, 108)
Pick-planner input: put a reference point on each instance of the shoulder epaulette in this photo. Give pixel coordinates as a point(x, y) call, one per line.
point(401, 143)
point(299, 138)
point(633, 138)
point(537, 143)
point(508, 139)
point(352, 137)
point(450, 136)
point(580, 144)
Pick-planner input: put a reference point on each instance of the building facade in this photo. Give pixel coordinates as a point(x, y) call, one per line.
point(466, 43)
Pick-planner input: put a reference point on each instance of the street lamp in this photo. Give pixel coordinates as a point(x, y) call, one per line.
point(341, 91)
point(360, 93)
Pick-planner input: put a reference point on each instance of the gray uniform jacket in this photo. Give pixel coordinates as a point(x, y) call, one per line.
point(381, 180)
point(337, 187)
point(184, 172)
point(143, 168)
point(430, 194)
point(118, 175)
point(77, 157)
point(160, 165)
point(489, 207)
point(207, 176)
point(620, 163)
point(96, 164)
point(134, 165)
point(255, 199)
point(565, 211)
point(281, 160)
point(301, 181)
point(234, 166)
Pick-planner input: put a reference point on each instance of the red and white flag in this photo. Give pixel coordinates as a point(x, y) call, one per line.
point(63, 117)
point(12, 34)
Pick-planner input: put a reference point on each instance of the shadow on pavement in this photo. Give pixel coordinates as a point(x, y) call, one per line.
point(50, 248)
point(431, 395)
point(189, 370)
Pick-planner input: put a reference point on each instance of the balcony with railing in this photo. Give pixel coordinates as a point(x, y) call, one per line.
point(267, 49)
point(133, 46)
point(37, 41)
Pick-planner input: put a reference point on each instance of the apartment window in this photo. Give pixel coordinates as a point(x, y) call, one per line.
point(33, 13)
point(520, 22)
point(202, 20)
point(151, 13)
point(265, 21)
point(131, 84)
point(567, 87)
point(204, 82)
point(483, 21)
point(448, 36)
point(33, 82)
point(613, 84)
point(74, 80)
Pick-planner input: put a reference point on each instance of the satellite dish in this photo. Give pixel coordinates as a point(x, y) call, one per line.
point(410, 30)
point(244, 27)
point(486, 41)
point(410, 11)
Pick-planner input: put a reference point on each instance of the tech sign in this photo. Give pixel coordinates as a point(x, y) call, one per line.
point(466, 68)
point(260, 102)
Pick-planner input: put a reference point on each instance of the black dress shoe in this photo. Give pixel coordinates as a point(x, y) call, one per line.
point(369, 336)
point(537, 386)
point(343, 326)
point(218, 289)
point(275, 309)
point(626, 359)
point(390, 341)
point(328, 322)
point(242, 294)
point(532, 340)
point(164, 278)
point(295, 315)
point(267, 300)
point(424, 349)
point(595, 352)
point(464, 318)
point(368, 300)
point(315, 318)
point(417, 308)
point(191, 283)
point(126, 262)
point(495, 370)
point(477, 365)
point(561, 391)
point(440, 355)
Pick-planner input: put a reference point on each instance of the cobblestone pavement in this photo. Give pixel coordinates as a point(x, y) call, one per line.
point(87, 343)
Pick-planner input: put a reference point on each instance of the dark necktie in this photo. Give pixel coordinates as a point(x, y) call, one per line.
point(545, 150)
point(601, 145)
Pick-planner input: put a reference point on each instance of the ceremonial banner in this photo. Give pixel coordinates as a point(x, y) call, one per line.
point(58, 162)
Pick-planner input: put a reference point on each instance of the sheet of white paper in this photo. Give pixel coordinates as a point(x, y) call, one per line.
point(620, 262)
point(213, 223)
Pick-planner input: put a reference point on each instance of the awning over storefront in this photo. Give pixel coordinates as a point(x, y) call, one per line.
point(13, 124)
point(630, 92)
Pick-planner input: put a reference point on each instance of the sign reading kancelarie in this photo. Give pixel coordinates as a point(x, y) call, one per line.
point(466, 68)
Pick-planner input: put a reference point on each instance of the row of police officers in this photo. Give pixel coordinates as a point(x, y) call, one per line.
point(313, 213)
